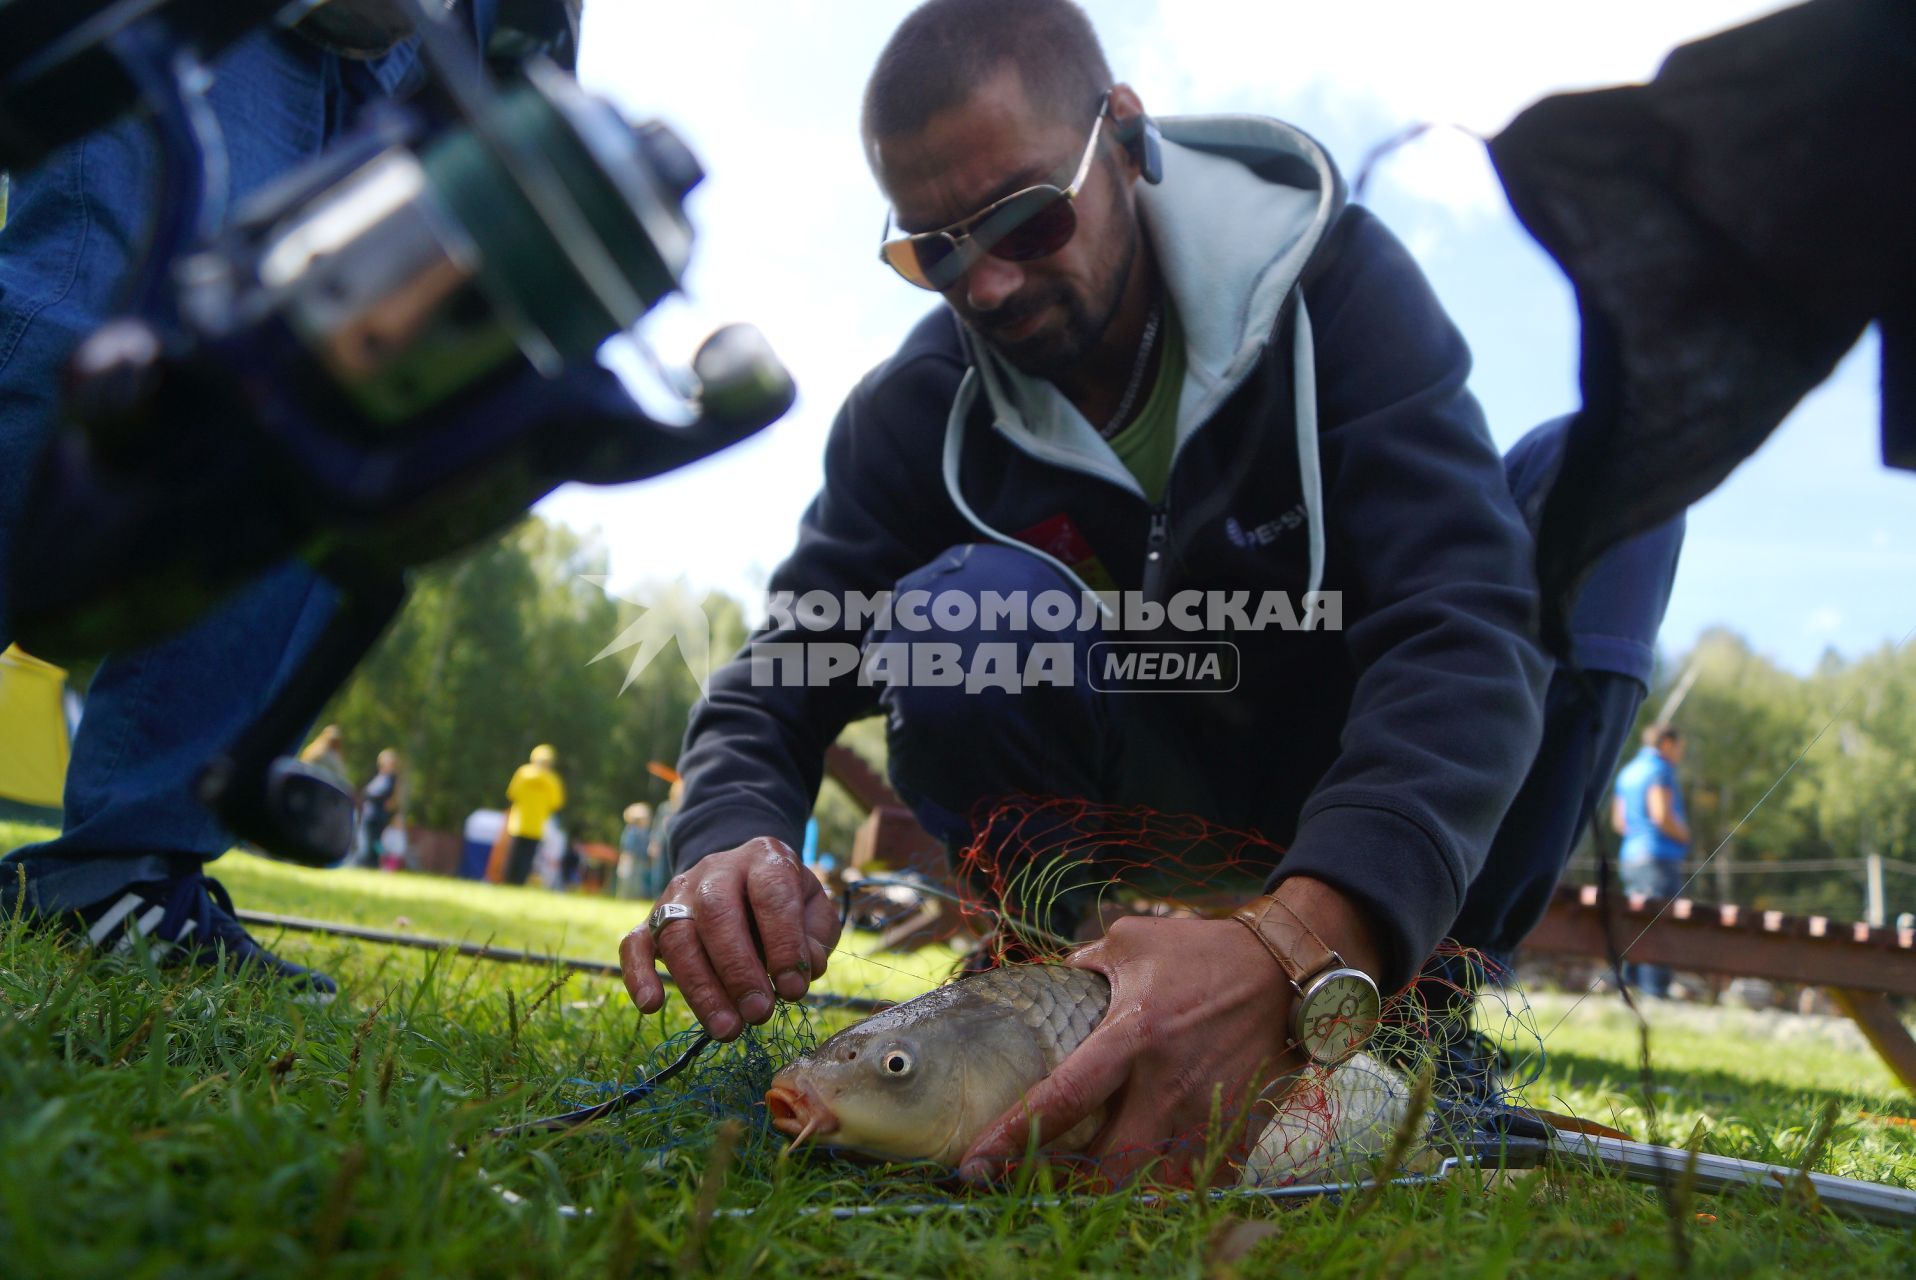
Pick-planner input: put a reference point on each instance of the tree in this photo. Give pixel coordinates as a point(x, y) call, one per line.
point(495, 653)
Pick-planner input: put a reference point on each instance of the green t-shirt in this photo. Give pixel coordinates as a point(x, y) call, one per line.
point(1146, 443)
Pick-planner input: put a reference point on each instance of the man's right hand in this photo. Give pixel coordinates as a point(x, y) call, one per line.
point(759, 890)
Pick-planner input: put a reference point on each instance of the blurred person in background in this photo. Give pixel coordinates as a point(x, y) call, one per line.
point(326, 753)
point(658, 851)
point(637, 868)
point(1648, 813)
point(382, 814)
point(536, 792)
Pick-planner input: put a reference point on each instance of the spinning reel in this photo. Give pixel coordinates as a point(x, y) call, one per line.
point(386, 356)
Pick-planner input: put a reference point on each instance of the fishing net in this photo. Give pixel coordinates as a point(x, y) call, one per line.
point(1043, 875)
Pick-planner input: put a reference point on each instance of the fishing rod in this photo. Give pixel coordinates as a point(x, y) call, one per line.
point(512, 955)
point(1639, 1162)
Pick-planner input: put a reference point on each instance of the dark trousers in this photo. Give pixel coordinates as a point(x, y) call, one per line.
point(519, 858)
point(954, 751)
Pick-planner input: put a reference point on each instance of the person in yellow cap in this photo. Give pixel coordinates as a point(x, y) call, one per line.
point(536, 793)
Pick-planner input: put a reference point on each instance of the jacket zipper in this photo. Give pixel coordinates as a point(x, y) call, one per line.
point(1157, 547)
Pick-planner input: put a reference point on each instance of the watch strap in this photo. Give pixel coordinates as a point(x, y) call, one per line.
point(1296, 947)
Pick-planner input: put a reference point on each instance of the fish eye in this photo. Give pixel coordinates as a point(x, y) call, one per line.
point(897, 1062)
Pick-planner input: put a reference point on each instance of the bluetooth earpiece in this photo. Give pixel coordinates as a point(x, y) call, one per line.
point(1141, 138)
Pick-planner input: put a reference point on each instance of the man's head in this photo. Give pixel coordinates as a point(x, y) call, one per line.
point(545, 755)
point(973, 100)
point(1667, 741)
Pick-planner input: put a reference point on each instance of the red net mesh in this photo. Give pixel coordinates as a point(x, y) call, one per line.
point(1042, 875)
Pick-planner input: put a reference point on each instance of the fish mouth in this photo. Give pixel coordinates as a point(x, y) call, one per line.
point(797, 1113)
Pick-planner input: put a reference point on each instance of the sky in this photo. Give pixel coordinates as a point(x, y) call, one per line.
point(1809, 545)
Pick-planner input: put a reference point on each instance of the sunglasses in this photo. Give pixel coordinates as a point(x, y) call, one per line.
point(1029, 224)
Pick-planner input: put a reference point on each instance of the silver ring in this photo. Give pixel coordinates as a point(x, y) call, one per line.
point(664, 914)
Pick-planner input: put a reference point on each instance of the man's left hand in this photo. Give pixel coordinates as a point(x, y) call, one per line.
point(1198, 1008)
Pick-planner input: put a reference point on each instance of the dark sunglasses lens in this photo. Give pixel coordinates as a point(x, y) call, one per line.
point(929, 261)
point(1047, 229)
point(937, 258)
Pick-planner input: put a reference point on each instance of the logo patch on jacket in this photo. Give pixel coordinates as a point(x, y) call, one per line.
point(1059, 537)
point(1263, 535)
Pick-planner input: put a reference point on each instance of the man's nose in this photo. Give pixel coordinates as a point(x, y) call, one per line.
point(990, 281)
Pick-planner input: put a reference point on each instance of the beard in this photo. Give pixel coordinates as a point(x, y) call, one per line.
point(1085, 320)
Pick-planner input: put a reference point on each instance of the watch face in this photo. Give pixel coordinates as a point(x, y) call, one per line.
point(1336, 1015)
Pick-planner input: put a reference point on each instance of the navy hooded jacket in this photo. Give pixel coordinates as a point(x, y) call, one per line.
point(1331, 444)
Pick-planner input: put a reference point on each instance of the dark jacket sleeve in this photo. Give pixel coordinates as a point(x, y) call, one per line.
point(754, 752)
point(1439, 604)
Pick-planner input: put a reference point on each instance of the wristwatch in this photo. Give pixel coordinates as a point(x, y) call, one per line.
point(1336, 1008)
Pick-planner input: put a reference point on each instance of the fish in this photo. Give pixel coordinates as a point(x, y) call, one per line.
point(920, 1081)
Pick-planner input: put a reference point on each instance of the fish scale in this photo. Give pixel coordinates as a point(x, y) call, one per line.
point(1061, 1003)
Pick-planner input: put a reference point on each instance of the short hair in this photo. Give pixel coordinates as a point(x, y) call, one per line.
point(1658, 734)
point(945, 49)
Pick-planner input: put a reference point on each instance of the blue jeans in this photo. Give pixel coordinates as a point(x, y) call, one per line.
point(1659, 878)
point(153, 717)
point(950, 750)
point(1589, 710)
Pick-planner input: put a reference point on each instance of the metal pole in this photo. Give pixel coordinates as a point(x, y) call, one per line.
point(1641, 1162)
point(1678, 694)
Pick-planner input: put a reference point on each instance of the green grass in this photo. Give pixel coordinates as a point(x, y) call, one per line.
point(166, 1124)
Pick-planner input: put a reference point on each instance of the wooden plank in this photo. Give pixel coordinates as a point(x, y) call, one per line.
point(1872, 1012)
point(1733, 942)
point(865, 784)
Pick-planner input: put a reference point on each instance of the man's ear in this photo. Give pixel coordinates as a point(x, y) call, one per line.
point(1137, 132)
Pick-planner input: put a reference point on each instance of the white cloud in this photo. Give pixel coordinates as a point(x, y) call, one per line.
point(1825, 620)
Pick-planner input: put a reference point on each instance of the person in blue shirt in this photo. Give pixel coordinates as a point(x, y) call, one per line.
point(1648, 813)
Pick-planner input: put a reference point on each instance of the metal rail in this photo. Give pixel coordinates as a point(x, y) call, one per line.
point(1641, 1162)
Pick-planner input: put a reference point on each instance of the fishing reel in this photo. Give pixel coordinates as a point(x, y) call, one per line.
point(387, 356)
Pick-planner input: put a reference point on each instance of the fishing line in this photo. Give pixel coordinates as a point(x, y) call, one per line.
point(646, 1087)
point(611, 1106)
point(508, 955)
point(1000, 919)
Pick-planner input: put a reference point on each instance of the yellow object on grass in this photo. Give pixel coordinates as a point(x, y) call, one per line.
point(33, 730)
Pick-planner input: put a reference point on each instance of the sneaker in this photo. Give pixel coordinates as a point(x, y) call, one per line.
point(189, 920)
point(1467, 1068)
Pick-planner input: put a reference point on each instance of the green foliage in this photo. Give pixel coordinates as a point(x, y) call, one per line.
point(1864, 790)
point(1764, 791)
point(494, 654)
point(1744, 721)
point(172, 1124)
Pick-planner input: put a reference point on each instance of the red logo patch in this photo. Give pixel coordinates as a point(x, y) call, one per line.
point(1060, 538)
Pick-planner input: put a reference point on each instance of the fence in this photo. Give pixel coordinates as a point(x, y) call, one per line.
point(1873, 888)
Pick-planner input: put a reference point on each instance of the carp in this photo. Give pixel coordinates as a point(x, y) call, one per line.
point(921, 1080)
